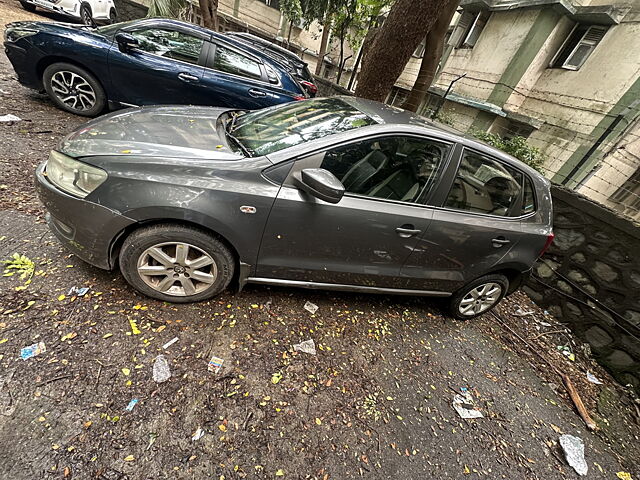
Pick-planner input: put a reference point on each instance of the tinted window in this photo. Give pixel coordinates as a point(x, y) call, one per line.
point(394, 168)
point(271, 129)
point(484, 185)
point(232, 62)
point(170, 44)
point(528, 198)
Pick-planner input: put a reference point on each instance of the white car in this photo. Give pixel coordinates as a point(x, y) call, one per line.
point(88, 12)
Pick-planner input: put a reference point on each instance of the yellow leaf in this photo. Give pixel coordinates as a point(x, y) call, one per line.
point(134, 327)
point(107, 335)
point(466, 470)
point(161, 328)
point(623, 475)
point(129, 458)
point(276, 377)
point(126, 371)
point(318, 421)
point(4, 340)
point(280, 473)
point(61, 297)
point(222, 427)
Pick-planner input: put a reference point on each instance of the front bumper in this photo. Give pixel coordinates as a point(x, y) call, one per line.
point(23, 58)
point(52, 7)
point(85, 228)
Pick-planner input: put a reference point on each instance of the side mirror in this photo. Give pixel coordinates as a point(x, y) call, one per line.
point(320, 183)
point(126, 41)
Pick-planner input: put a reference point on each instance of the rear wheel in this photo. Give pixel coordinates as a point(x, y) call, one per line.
point(478, 297)
point(29, 7)
point(74, 89)
point(176, 263)
point(113, 16)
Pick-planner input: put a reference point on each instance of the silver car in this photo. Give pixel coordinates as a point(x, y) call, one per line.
point(331, 193)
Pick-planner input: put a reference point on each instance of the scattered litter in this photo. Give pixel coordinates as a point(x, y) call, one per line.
point(215, 364)
point(161, 372)
point(308, 346)
point(132, 404)
point(521, 313)
point(170, 342)
point(566, 351)
point(33, 350)
point(79, 292)
point(9, 118)
point(574, 453)
point(463, 404)
point(198, 435)
point(593, 379)
point(311, 307)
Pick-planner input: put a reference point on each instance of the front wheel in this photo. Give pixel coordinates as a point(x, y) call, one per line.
point(74, 89)
point(478, 297)
point(86, 16)
point(176, 263)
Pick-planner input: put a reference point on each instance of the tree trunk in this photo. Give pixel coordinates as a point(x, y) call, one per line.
point(209, 13)
point(326, 29)
point(405, 27)
point(432, 52)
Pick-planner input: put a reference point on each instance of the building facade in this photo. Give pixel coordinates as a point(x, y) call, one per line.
point(563, 73)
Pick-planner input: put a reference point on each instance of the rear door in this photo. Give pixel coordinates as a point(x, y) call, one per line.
point(235, 79)
point(366, 237)
point(165, 68)
point(475, 227)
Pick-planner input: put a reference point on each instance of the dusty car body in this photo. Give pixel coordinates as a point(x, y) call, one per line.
point(335, 193)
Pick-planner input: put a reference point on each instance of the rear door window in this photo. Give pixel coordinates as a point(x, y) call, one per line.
point(230, 61)
point(485, 185)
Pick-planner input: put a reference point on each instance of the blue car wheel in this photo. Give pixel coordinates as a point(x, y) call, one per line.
point(74, 89)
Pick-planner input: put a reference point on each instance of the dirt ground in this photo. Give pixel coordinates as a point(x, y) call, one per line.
point(375, 401)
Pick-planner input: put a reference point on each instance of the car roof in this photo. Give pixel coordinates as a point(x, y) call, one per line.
point(250, 38)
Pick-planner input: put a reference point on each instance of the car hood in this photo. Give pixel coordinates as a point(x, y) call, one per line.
point(168, 131)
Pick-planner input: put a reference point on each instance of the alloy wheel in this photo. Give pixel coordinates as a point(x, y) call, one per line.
point(480, 299)
point(176, 268)
point(86, 17)
point(73, 90)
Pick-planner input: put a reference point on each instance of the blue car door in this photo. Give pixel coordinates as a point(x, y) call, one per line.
point(164, 68)
point(236, 79)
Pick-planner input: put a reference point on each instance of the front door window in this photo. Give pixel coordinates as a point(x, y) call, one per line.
point(169, 44)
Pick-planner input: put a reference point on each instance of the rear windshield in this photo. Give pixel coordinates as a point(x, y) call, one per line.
point(276, 128)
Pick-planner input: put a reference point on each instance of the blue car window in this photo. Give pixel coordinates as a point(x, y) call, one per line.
point(233, 62)
point(169, 44)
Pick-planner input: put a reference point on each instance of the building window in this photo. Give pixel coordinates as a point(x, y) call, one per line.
point(578, 46)
point(419, 51)
point(628, 195)
point(272, 3)
point(468, 30)
point(397, 96)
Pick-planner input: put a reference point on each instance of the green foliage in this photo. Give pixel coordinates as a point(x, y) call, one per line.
point(355, 18)
point(515, 146)
point(292, 9)
point(167, 8)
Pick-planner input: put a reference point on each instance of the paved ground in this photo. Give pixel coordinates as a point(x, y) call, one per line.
point(375, 401)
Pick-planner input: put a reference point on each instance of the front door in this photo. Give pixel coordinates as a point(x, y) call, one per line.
point(476, 228)
point(366, 237)
point(165, 68)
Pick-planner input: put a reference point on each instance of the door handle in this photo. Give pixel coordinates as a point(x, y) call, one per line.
point(500, 241)
point(185, 77)
point(254, 92)
point(407, 231)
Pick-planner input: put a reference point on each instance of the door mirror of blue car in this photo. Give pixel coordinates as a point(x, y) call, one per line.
point(320, 183)
point(126, 41)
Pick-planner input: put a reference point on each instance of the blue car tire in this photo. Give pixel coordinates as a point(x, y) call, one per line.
point(74, 89)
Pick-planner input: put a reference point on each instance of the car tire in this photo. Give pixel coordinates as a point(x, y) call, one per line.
point(59, 77)
point(86, 17)
point(113, 16)
point(159, 261)
point(478, 297)
point(29, 7)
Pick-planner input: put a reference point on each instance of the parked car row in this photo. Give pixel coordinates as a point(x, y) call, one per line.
point(151, 62)
point(250, 185)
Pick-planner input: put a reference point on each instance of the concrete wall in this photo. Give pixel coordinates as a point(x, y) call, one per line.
point(592, 277)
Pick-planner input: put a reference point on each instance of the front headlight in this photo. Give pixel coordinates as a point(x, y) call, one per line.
point(13, 34)
point(72, 176)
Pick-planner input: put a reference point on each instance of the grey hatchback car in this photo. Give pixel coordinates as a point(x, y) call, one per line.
point(331, 193)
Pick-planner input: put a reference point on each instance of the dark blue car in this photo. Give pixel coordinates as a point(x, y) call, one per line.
point(144, 62)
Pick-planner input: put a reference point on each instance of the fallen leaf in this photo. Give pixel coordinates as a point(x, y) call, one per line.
point(129, 458)
point(126, 371)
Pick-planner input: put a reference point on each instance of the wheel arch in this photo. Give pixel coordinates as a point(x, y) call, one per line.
point(49, 60)
point(514, 274)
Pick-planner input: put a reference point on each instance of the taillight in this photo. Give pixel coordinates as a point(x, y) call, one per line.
point(299, 97)
point(311, 88)
point(547, 244)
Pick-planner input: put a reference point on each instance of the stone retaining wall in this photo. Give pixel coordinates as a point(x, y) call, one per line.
point(327, 88)
point(130, 10)
point(590, 279)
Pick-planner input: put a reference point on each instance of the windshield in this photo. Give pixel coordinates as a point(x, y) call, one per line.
point(266, 131)
point(109, 30)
